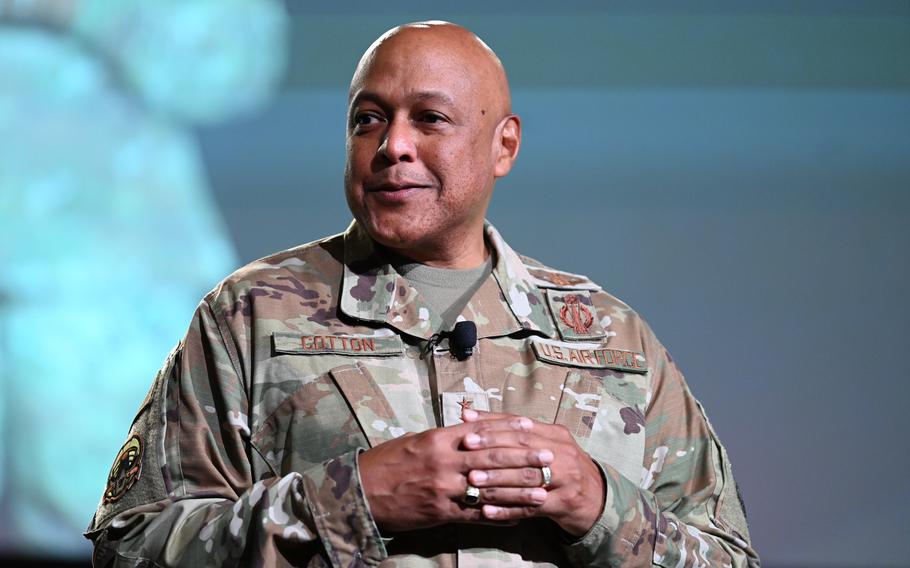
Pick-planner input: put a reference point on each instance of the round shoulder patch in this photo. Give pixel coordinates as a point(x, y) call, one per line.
point(125, 471)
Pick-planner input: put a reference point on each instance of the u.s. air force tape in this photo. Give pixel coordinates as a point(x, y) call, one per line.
point(591, 355)
point(363, 345)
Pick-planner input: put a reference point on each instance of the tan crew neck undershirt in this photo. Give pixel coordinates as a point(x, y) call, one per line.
point(446, 290)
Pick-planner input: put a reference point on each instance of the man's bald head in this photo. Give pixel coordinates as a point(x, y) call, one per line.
point(463, 48)
point(430, 130)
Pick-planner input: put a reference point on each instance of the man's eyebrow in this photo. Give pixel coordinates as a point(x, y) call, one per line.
point(420, 96)
point(435, 95)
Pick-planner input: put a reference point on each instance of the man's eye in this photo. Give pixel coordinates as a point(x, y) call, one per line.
point(432, 118)
point(365, 119)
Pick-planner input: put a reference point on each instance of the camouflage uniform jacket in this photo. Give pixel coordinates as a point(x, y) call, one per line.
point(245, 450)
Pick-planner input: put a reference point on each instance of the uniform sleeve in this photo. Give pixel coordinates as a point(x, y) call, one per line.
point(181, 492)
point(687, 510)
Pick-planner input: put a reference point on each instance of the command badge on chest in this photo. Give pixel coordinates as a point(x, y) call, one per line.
point(125, 471)
point(574, 315)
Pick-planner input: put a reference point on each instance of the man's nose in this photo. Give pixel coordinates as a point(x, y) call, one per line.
point(399, 144)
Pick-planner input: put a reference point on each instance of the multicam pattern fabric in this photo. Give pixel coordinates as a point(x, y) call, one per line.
point(297, 362)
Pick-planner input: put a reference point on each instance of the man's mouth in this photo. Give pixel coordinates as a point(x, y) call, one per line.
point(396, 193)
point(391, 187)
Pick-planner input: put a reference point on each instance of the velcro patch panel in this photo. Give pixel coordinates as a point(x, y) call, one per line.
point(590, 355)
point(357, 345)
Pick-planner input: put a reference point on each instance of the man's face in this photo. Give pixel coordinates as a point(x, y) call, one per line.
point(420, 152)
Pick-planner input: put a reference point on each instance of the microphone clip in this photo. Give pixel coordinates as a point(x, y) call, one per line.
point(463, 339)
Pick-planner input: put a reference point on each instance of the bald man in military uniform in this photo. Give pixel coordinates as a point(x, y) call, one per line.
point(413, 392)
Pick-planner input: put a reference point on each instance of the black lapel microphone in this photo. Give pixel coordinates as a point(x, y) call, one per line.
point(462, 340)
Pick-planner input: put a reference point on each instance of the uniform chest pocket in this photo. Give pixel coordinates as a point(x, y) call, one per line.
point(326, 416)
point(605, 414)
point(601, 400)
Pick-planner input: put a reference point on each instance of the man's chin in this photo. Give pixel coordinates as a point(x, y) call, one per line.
point(398, 240)
point(397, 236)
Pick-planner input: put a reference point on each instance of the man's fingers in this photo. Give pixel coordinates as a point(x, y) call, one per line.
point(474, 415)
point(503, 439)
point(494, 421)
point(499, 458)
point(504, 423)
point(513, 496)
point(516, 477)
point(474, 433)
point(505, 514)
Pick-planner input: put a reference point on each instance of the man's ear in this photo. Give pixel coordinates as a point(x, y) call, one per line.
point(506, 144)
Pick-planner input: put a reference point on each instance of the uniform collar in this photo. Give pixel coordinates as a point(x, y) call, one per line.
point(373, 291)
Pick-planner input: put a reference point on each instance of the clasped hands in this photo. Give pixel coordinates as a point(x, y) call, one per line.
point(419, 480)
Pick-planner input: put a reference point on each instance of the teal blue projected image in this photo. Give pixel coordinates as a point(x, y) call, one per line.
point(108, 232)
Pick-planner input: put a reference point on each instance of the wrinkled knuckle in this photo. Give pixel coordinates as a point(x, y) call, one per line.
point(575, 477)
point(441, 509)
point(435, 466)
point(578, 497)
point(434, 441)
point(434, 508)
point(437, 486)
point(497, 457)
point(524, 439)
point(528, 511)
point(529, 475)
point(412, 447)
